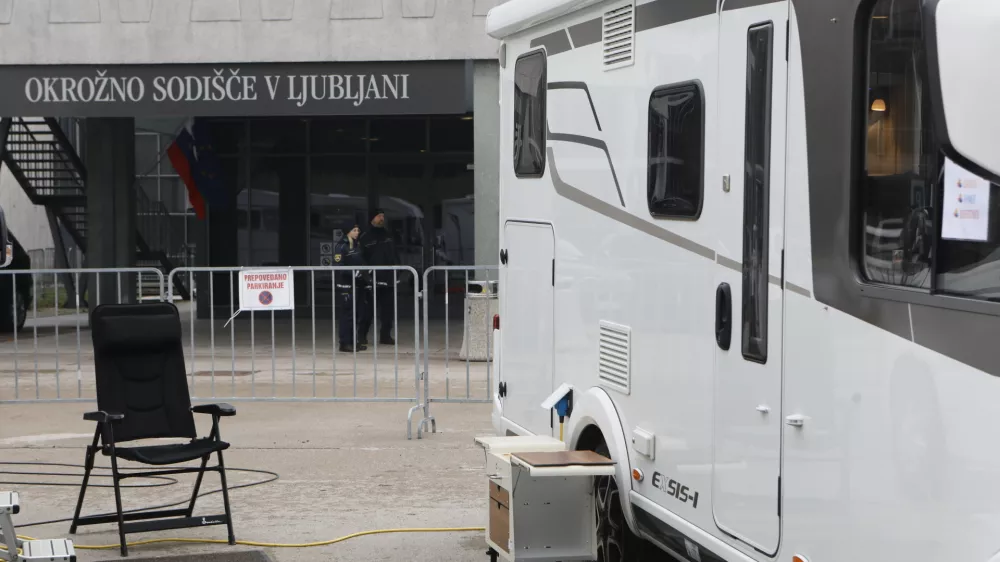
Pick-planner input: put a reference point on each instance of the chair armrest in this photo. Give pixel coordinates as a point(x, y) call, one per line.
point(224, 410)
point(103, 417)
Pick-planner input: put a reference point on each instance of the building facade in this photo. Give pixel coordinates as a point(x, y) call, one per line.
point(319, 112)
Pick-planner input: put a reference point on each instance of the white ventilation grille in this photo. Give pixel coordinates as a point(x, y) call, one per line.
point(615, 357)
point(618, 37)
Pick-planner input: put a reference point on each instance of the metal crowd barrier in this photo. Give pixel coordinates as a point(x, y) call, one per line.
point(299, 347)
point(45, 354)
point(464, 378)
point(266, 355)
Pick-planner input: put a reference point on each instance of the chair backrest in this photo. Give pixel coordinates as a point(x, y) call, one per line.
point(139, 364)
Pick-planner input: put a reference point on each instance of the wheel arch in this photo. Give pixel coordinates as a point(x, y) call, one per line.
point(596, 419)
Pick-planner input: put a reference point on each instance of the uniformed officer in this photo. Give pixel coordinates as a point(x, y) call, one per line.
point(351, 285)
point(380, 249)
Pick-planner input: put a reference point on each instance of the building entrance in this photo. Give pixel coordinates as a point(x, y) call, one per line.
point(300, 183)
point(267, 169)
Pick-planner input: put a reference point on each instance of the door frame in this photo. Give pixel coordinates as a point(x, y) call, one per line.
point(503, 281)
point(735, 361)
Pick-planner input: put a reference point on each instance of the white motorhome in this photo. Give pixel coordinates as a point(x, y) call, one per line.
point(756, 237)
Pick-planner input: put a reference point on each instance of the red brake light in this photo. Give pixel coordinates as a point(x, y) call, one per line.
point(496, 321)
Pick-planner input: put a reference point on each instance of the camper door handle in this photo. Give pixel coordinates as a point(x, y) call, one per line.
point(723, 316)
point(795, 420)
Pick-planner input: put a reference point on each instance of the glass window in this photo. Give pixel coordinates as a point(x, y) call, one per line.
point(454, 213)
point(278, 136)
point(339, 196)
point(530, 83)
point(971, 267)
point(900, 159)
point(906, 192)
point(452, 134)
point(756, 192)
point(173, 194)
point(401, 189)
point(398, 135)
point(150, 186)
point(229, 136)
point(676, 147)
point(337, 135)
point(147, 153)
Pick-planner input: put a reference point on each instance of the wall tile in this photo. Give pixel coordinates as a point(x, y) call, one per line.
point(215, 10)
point(74, 11)
point(419, 8)
point(356, 9)
point(277, 10)
point(135, 11)
point(6, 11)
point(483, 7)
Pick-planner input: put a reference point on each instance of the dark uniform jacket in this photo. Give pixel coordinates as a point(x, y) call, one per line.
point(379, 248)
point(346, 255)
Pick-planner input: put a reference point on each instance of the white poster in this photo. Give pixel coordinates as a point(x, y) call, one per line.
point(266, 289)
point(966, 207)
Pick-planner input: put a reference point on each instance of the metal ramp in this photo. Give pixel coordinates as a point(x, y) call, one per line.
point(16, 550)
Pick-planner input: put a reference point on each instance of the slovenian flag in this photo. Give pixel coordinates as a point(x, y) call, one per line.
point(195, 160)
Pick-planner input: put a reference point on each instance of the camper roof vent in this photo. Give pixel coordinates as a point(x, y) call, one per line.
point(618, 37)
point(615, 357)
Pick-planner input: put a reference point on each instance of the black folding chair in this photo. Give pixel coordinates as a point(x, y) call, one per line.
point(142, 393)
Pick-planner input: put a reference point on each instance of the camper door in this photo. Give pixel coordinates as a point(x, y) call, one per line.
point(528, 307)
point(748, 422)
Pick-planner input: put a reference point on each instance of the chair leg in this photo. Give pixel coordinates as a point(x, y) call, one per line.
point(225, 499)
point(88, 466)
point(197, 485)
point(118, 503)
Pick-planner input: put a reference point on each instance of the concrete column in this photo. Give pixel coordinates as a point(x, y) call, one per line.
point(487, 162)
point(111, 220)
point(62, 260)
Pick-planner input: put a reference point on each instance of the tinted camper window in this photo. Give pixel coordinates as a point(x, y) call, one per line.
point(676, 146)
point(529, 115)
point(927, 224)
point(756, 192)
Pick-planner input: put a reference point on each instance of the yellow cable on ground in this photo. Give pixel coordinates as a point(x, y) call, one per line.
point(278, 545)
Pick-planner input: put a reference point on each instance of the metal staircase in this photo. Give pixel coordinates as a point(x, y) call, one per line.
point(46, 165)
point(156, 235)
point(43, 162)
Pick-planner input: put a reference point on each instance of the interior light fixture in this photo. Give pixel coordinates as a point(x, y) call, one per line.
point(878, 104)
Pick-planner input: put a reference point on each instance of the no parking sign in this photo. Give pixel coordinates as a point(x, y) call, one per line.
point(266, 289)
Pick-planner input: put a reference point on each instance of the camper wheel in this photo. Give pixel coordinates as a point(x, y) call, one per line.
point(611, 525)
point(615, 541)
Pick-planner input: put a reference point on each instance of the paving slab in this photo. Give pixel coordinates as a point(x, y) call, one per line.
point(344, 468)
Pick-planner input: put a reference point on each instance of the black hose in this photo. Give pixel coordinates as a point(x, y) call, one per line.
point(167, 481)
point(271, 477)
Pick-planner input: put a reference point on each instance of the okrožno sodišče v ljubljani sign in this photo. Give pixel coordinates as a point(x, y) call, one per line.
point(422, 87)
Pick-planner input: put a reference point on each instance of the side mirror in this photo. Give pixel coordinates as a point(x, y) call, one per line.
point(963, 46)
point(5, 242)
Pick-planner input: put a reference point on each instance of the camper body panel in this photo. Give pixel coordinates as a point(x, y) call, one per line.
point(883, 443)
point(611, 271)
